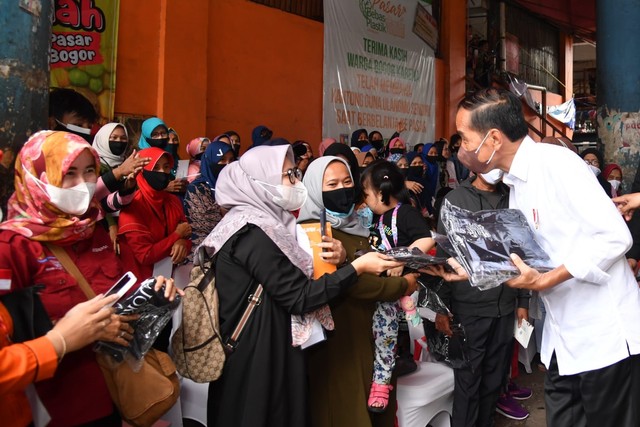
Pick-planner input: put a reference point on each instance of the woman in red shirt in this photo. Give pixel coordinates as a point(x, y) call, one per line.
point(153, 226)
point(53, 204)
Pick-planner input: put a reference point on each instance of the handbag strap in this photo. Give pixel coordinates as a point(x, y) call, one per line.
point(254, 300)
point(72, 269)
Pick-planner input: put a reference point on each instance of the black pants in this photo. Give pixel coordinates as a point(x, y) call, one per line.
point(477, 388)
point(605, 397)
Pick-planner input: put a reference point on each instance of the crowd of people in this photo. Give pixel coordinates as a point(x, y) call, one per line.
point(115, 205)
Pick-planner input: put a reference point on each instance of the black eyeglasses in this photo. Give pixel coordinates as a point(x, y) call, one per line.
point(293, 174)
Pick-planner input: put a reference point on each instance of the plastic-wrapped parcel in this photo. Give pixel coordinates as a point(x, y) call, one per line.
point(484, 240)
point(414, 258)
point(155, 312)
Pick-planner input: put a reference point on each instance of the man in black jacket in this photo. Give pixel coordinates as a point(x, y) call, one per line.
point(487, 316)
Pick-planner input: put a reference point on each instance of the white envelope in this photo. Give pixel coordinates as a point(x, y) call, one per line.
point(523, 332)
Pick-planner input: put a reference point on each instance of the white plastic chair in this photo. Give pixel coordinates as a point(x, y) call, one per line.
point(426, 395)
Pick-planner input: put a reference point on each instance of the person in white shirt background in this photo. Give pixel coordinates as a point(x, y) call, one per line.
point(591, 339)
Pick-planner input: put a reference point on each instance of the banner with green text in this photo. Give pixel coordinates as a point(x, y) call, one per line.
point(83, 50)
point(378, 73)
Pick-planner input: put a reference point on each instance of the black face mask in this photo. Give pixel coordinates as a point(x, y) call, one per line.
point(397, 151)
point(158, 142)
point(415, 171)
point(432, 159)
point(117, 147)
point(236, 149)
point(157, 180)
point(378, 144)
point(216, 169)
point(340, 200)
point(362, 168)
point(404, 171)
point(198, 156)
point(441, 158)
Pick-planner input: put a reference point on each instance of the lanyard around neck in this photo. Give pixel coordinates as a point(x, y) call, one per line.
point(394, 229)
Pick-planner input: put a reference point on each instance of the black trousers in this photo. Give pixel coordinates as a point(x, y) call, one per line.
point(607, 397)
point(477, 388)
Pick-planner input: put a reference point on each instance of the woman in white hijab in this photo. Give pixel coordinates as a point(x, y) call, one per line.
point(345, 361)
point(264, 379)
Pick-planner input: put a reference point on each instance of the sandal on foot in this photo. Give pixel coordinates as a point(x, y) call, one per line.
point(379, 397)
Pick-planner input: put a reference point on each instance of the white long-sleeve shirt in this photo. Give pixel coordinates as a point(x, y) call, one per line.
point(593, 319)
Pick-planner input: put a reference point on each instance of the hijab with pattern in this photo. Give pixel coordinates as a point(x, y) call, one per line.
point(48, 155)
point(248, 202)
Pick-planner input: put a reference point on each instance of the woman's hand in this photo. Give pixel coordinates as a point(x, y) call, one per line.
point(412, 281)
point(375, 263)
point(335, 253)
point(184, 230)
point(170, 289)
point(83, 324)
point(179, 251)
point(416, 187)
point(177, 186)
point(118, 329)
point(627, 204)
point(395, 272)
point(131, 166)
point(438, 270)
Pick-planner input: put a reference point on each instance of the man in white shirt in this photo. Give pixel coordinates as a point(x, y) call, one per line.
point(591, 338)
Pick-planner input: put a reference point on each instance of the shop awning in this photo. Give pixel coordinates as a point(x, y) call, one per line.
point(576, 17)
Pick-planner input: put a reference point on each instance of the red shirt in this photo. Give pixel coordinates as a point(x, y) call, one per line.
point(77, 393)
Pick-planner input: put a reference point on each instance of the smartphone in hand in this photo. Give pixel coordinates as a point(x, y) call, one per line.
point(323, 225)
point(122, 286)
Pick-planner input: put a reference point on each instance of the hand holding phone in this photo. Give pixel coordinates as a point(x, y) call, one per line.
point(323, 226)
point(122, 286)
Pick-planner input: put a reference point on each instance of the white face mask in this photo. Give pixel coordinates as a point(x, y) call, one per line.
point(493, 176)
point(74, 200)
point(290, 198)
point(615, 184)
point(594, 169)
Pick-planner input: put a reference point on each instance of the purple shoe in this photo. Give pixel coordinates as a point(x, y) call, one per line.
point(519, 393)
point(510, 408)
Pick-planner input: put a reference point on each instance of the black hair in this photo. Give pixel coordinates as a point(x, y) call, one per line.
point(418, 145)
point(496, 108)
point(63, 101)
point(232, 133)
point(455, 138)
point(385, 177)
point(373, 132)
point(439, 144)
point(596, 153)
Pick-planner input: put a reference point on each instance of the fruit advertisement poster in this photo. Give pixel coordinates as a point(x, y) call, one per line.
point(83, 50)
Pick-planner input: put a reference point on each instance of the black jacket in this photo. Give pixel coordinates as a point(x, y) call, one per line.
point(461, 297)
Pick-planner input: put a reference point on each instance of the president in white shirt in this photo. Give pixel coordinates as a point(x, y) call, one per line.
point(591, 338)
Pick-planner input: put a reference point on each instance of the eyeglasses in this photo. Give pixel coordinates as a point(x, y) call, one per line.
point(593, 163)
point(293, 174)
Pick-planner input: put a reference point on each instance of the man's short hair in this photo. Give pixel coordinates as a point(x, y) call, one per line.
point(496, 108)
point(62, 101)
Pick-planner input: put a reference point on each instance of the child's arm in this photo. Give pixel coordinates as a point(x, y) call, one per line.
point(425, 244)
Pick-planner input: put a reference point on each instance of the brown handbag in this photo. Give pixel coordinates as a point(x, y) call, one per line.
point(198, 349)
point(141, 397)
